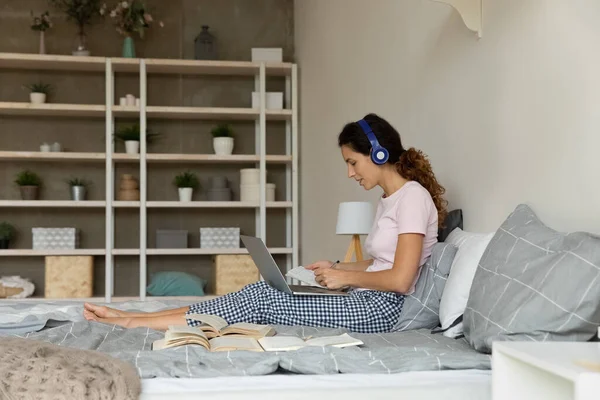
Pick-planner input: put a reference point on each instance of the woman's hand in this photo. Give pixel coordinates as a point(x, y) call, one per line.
point(331, 278)
point(319, 264)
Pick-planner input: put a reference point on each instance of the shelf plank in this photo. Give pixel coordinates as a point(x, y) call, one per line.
point(189, 252)
point(123, 157)
point(53, 203)
point(200, 204)
point(210, 67)
point(219, 113)
point(215, 204)
point(156, 66)
point(212, 158)
point(132, 252)
point(42, 253)
point(279, 204)
point(52, 109)
point(51, 62)
point(126, 204)
point(211, 113)
point(96, 110)
point(126, 252)
point(50, 156)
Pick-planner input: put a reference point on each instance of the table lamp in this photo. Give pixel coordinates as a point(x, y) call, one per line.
point(354, 218)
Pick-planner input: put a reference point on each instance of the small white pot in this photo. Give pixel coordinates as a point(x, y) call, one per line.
point(223, 146)
point(37, 98)
point(185, 194)
point(132, 146)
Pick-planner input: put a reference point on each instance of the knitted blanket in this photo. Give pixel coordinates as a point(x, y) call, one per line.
point(31, 369)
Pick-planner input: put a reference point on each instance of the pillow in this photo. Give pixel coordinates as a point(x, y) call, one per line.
point(456, 292)
point(534, 284)
point(420, 309)
point(453, 220)
point(174, 283)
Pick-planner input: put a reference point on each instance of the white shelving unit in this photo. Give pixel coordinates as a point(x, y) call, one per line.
point(109, 111)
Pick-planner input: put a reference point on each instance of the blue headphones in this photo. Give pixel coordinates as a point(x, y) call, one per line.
point(379, 154)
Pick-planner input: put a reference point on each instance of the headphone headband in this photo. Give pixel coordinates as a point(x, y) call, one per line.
point(379, 154)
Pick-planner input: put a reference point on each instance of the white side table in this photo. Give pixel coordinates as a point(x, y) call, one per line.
point(545, 370)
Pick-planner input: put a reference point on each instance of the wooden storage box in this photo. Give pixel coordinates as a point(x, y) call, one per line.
point(232, 272)
point(69, 277)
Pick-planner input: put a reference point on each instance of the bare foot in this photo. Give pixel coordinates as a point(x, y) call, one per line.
point(103, 311)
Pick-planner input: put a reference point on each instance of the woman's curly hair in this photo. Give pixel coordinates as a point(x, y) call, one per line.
point(414, 165)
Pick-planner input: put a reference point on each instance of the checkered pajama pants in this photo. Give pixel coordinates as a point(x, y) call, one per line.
point(365, 311)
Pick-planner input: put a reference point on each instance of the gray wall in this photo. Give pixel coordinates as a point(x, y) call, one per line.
point(239, 25)
point(510, 118)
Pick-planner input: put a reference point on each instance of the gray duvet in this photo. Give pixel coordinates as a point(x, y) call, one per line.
point(62, 323)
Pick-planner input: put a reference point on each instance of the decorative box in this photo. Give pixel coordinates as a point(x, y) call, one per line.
point(219, 238)
point(267, 54)
point(233, 272)
point(249, 176)
point(55, 238)
point(69, 277)
point(252, 192)
point(171, 239)
point(273, 100)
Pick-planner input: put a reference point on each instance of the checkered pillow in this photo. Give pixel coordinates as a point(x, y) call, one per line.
point(421, 309)
point(534, 283)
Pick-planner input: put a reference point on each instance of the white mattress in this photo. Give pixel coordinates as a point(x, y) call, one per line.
point(447, 385)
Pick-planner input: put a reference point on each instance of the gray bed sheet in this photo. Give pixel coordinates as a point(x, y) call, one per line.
point(62, 323)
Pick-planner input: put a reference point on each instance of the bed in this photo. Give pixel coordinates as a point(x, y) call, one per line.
point(415, 363)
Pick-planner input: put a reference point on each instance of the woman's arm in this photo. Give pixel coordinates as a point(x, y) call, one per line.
point(355, 266)
point(397, 279)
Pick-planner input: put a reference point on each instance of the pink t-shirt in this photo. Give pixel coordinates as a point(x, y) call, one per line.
point(410, 209)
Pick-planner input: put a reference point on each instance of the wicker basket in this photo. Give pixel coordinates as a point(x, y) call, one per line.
point(69, 277)
point(233, 272)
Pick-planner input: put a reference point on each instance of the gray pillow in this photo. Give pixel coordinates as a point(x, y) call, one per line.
point(534, 283)
point(453, 220)
point(421, 309)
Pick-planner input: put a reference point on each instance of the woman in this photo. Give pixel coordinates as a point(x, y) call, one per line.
point(401, 241)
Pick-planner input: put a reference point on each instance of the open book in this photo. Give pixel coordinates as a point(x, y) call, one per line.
point(183, 335)
point(287, 343)
point(303, 275)
point(214, 326)
point(180, 335)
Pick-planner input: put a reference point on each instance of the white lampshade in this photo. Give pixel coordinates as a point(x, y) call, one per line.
point(354, 218)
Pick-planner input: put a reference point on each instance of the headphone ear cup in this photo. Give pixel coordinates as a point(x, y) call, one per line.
point(380, 155)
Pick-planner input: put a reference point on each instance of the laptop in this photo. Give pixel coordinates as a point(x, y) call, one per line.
point(272, 274)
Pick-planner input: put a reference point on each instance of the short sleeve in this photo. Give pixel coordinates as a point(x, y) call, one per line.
point(413, 212)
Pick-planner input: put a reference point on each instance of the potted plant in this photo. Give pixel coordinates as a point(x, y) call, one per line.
point(78, 188)
point(41, 24)
point(186, 182)
point(83, 13)
point(39, 92)
point(130, 135)
point(29, 183)
point(7, 232)
point(222, 139)
point(131, 17)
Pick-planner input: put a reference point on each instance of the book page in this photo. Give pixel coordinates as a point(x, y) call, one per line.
point(227, 343)
point(185, 330)
point(174, 335)
point(343, 340)
point(248, 329)
point(214, 321)
point(281, 343)
point(303, 275)
point(167, 344)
